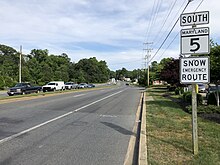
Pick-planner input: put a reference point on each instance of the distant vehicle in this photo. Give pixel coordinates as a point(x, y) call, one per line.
point(70, 85)
point(54, 86)
point(90, 86)
point(202, 88)
point(212, 88)
point(113, 81)
point(23, 88)
point(82, 85)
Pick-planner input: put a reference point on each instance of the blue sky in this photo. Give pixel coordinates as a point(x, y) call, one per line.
point(110, 30)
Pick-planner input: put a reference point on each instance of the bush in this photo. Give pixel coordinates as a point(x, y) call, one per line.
point(187, 97)
point(211, 100)
point(184, 95)
point(179, 91)
point(205, 109)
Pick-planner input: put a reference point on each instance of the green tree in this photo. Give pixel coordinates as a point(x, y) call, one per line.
point(170, 72)
point(215, 66)
point(9, 65)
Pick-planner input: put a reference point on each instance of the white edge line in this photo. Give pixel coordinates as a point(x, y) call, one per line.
point(54, 119)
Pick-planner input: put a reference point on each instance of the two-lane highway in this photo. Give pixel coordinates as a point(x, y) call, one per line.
point(86, 127)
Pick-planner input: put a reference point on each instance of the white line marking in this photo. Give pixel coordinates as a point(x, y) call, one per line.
point(54, 119)
point(79, 95)
point(108, 115)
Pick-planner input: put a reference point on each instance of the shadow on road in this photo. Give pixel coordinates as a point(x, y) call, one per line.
point(119, 129)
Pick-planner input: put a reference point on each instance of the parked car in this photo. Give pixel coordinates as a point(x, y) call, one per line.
point(90, 86)
point(82, 85)
point(211, 89)
point(70, 85)
point(23, 88)
point(202, 88)
point(54, 86)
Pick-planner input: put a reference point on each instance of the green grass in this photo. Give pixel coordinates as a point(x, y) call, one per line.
point(169, 138)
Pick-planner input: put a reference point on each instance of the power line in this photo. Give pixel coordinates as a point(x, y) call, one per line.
point(156, 12)
point(199, 5)
point(151, 20)
point(165, 20)
point(178, 33)
point(169, 32)
point(177, 15)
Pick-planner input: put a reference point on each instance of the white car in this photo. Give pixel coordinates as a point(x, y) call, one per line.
point(70, 85)
point(82, 85)
point(54, 86)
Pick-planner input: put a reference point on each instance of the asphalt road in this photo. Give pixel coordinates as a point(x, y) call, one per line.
point(83, 128)
point(3, 94)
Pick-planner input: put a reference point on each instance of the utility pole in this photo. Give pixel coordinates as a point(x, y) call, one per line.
point(147, 57)
point(20, 64)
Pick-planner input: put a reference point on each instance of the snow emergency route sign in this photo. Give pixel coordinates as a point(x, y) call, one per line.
point(194, 70)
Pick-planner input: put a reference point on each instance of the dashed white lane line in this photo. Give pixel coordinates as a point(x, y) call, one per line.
point(110, 116)
point(54, 119)
point(79, 95)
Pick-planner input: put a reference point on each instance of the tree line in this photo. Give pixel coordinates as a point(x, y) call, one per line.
point(40, 67)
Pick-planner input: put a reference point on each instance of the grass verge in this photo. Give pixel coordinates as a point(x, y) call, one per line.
point(169, 138)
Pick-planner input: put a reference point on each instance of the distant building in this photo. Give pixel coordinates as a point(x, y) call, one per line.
point(159, 82)
point(127, 79)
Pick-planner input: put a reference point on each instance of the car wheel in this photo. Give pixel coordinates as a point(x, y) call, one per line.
point(23, 93)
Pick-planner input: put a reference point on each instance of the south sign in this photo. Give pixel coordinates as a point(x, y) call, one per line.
point(196, 18)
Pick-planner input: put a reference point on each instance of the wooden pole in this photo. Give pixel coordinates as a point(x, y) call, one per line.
point(194, 120)
point(20, 64)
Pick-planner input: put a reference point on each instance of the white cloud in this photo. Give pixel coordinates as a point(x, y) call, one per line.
point(70, 25)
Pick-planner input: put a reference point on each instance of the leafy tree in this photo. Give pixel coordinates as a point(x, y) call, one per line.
point(121, 73)
point(39, 54)
point(9, 65)
point(34, 70)
point(170, 72)
point(215, 67)
point(91, 70)
point(215, 63)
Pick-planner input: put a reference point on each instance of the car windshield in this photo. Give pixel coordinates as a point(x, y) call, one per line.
point(19, 84)
point(213, 88)
point(201, 85)
point(51, 84)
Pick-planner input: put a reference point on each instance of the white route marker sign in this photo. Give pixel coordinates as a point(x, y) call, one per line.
point(195, 41)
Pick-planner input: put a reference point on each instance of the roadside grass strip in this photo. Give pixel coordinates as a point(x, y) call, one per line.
point(169, 134)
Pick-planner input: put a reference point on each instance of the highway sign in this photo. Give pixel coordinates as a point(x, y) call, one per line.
point(194, 70)
point(195, 41)
point(196, 18)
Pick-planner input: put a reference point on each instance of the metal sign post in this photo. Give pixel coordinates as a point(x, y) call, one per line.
point(194, 70)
